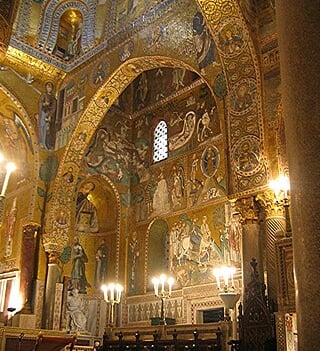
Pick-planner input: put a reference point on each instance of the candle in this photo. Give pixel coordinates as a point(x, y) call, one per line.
point(117, 293)
point(226, 273)
point(156, 286)
point(226, 278)
point(162, 279)
point(170, 283)
point(216, 273)
point(119, 290)
point(111, 287)
point(104, 288)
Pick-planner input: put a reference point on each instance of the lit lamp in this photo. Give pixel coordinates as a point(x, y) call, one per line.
point(228, 294)
point(112, 295)
point(280, 188)
point(163, 289)
point(6, 171)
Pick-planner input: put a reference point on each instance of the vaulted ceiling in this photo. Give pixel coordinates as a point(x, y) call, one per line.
point(38, 28)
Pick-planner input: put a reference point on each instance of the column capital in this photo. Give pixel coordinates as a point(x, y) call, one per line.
point(55, 242)
point(248, 210)
point(53, 257)
point(52, 247)
point(271, 207)
point(30, 228)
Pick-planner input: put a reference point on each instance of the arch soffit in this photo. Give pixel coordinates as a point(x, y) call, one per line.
point(217, 13)
point(241, 70)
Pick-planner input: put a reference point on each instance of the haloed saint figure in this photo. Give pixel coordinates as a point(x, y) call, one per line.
point(47, 117)
point(78, 273)
point(101, 264)
point(86, 212)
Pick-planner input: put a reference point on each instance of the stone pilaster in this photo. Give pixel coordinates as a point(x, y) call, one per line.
point(299, 30)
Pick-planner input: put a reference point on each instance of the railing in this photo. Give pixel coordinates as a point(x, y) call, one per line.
point(79, 348)
point(235, 345)
point(165, 339)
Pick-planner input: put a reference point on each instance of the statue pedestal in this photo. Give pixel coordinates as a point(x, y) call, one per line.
point(24, 321)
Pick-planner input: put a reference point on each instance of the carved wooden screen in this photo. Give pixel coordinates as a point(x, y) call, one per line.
point(255, 322)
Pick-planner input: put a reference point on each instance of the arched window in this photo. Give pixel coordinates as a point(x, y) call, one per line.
point(160, 142)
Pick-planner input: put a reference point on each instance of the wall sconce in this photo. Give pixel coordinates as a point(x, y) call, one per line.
point(163, 292)
point(112, 295)
point(226, 273)
point(281, 188)
point(228, 294)
point(5, 172)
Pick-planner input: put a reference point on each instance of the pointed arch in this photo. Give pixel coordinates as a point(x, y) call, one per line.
point(80, 140)
point(242, 105)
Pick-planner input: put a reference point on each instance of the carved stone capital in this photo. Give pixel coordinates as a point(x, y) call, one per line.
point(52, 248)
point(248, 209)
point(55, 241)
point(268, 203)
point(29, 229)
point(53, 257)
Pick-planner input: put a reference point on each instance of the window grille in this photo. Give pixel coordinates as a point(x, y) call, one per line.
point(160, 142)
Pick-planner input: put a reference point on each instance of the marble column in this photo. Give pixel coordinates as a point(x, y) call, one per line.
point(299, 46)
point(53, 277)
point(251, 240)
point(29, 264)
point(274, 229)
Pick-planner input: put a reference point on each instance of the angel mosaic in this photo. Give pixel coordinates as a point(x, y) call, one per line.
point(179, 139)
